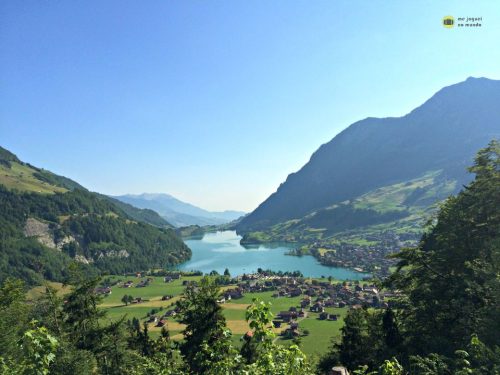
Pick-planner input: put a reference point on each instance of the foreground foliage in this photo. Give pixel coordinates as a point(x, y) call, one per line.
point(447, 318)
point(71, 336)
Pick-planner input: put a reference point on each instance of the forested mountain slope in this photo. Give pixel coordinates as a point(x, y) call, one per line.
point(439, 138)
point(47, 220)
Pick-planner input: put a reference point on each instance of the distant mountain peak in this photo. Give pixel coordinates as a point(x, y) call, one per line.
point(178, 212)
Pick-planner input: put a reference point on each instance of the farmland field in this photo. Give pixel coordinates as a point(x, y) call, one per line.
point(316, 342)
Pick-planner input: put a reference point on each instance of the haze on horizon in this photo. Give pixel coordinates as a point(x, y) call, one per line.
point(216, 103)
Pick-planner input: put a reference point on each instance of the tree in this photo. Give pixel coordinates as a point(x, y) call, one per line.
point(111, 352)
point(145, 343)
point(82, 315)
point(83, 324)
point(207, 340)
point(356, 341)
point(270, 358)
point(392, 337)
point(38, 348)
point(226, 272)
point(449, 282)
point(126, 299)
point(14, 314)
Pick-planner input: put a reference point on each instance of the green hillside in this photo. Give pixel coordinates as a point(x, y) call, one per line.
point(47, 221)
point(401, 207)
point(23, 177)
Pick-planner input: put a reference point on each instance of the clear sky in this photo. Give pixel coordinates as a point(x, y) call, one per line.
point(216, 102)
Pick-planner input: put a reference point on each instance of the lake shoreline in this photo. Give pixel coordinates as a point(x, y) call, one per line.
point(216, 251)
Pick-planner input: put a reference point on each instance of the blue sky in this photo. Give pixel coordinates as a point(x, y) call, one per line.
point(216, 102)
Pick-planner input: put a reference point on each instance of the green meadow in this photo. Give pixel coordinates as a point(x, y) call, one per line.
point(316, 342)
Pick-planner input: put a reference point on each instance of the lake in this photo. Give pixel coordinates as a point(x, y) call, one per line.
point(220, 250)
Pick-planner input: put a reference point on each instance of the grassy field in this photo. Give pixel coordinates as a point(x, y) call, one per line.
point(316, 342)
point(37, 291)
point(391, 198)
point(20, 177)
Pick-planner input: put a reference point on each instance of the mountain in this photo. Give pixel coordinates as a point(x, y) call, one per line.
point(140, 214)
point(47, 221)
point(386, 169)
point(177, 212)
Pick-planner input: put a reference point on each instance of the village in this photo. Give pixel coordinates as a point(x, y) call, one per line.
point(299, 299)
point(315, 295)
point(372, 256)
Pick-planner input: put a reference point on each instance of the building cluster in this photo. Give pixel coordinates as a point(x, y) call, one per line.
point(316, 297)
point(159, 320)
point(371, 258)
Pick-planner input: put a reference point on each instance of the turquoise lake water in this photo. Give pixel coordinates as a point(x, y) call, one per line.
point(216, 251)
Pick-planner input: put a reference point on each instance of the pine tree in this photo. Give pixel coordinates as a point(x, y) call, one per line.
point(207, 340)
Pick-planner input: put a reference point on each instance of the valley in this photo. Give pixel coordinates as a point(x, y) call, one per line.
point(249, 188)
point(297, 279)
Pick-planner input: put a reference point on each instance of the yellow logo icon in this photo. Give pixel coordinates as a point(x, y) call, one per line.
point(448, 22)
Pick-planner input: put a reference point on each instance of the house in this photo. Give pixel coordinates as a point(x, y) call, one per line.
point(283, 293)
point(305, 302)
point(161, 323)
point(127, 284)
point(166, 297)
point(143, 283)
point(323, 316)
point(311, 292)
point(103, 290)
point(287, 316)
point(332, 317)
point(302, 313)
point(153, 319)
point(233, 294)
point(169, 313)
point(221, 300)
point(317, 307)
point(329, 302)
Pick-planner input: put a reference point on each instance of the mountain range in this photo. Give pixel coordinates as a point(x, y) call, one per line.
point(384, 170)
point(177, 212)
